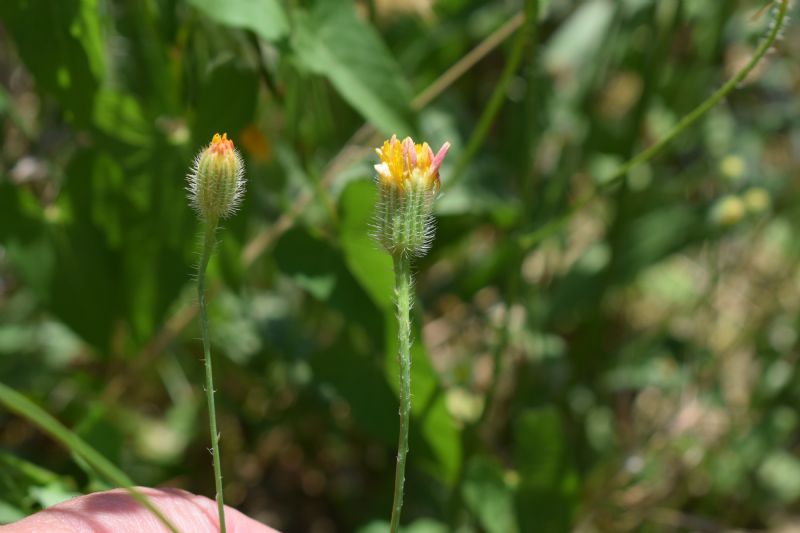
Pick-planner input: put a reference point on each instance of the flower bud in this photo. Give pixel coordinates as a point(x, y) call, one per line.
point(408, 183)
point(216, 180)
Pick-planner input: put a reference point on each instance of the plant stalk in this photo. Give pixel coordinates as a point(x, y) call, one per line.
point(17, 403)
point(403, 283)
point(208, 248)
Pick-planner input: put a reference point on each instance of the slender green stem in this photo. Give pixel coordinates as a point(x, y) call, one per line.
point(208, 248)
point(403, 282)
point(530, 239)
point(17, 403)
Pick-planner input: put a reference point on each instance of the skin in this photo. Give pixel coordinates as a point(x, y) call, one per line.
point(115, 511)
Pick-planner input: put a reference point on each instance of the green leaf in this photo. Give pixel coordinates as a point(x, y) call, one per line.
point(26, 486)
point(656, 234)
point(101, 434)
point(86, 292)
point(9, 513)
point(370, 265)
point(488, 496)
point(108, 267)
point(548, 483)
point(71, 65)
point(52, 494)
point(227, 100)
point(361, 382)
point(317, 266)
point(119, 115)
point(314, 264)
point(265, 17)
point(577, 42)
point(334, 42)
point(780, 472)
point(22, 232)
point(308, 262)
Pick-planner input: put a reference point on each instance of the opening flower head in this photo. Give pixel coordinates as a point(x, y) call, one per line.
point(408, 183)
point(216, 179)
point(406, 164)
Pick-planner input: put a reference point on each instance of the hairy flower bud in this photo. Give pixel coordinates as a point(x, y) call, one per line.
point(216, 180)
point(408, 183)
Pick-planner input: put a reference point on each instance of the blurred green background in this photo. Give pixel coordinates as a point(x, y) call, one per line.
point(632, 370)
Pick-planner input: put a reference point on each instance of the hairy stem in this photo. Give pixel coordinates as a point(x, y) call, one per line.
point(208, 248)
point(402, 277)
point(17, 403)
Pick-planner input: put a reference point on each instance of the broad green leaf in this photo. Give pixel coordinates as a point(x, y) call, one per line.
point(333, 41)
point(265, 17)
point(488, 496)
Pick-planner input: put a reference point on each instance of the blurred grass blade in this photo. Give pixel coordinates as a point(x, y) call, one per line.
point(19, 404)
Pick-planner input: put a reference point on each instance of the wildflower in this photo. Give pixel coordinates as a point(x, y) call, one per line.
point(216, 186)
point(216, 179)
point(408, 183)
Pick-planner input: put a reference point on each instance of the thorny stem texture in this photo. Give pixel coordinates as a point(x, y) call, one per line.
point(403, 283)
point(208, 248)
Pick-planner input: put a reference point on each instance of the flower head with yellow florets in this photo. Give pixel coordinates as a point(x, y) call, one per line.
point(408, 183)
point(405, 164)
